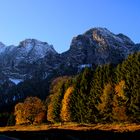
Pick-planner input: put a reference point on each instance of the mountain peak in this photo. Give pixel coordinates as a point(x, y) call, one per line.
point(102, 36)
point(99, 46)
point(32, 42)
point(39, 46)
point(99, 30)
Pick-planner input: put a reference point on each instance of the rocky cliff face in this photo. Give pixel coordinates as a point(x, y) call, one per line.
point(99, 46)
point(33, 58)
point(20, 61)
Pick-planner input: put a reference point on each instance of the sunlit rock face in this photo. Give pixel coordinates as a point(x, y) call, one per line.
point(99, 46)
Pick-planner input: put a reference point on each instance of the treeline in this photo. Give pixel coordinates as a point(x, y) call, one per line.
point(106, 94)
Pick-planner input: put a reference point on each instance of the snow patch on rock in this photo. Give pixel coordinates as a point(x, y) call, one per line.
point(16, 81)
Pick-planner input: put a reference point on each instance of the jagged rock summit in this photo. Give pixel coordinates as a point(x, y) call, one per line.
point(99, 46)
point(19, 61)
point(29, 50)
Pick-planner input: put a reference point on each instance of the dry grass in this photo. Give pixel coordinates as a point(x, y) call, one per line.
point(74, 126)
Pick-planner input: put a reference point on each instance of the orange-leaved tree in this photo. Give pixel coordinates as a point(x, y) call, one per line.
point(30, 111)
point(65, 110)
point(119, 102)
point(19, 110)
point(105, 107)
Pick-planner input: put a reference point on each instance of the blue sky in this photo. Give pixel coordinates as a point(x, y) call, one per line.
point(58, 21)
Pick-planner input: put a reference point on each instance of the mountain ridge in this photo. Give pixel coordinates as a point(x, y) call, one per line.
point(95, 46)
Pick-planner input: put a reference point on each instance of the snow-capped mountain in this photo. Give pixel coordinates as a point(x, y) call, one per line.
point(19, 61)
point(32, 50)
point(33, 58)
point(29, 50)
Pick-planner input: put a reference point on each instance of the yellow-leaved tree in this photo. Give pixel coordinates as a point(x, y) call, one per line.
point(20, 118)
point(65, 110)
point(105, 107)
point(32, 110)
point(119, 103)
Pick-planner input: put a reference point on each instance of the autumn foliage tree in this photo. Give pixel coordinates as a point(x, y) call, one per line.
point(20, 117)
point(32, 110)
point(119, 103)
point(65, 110)
point(105, 107)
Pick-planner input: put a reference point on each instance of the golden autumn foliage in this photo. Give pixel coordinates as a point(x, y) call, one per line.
point(105, 107)
point(119, 89)
point(113, 102)
point(19, 110)
point(106, 98)
point(30, 111)
point(65, 111)
point(40, 118)
point(119, 102)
